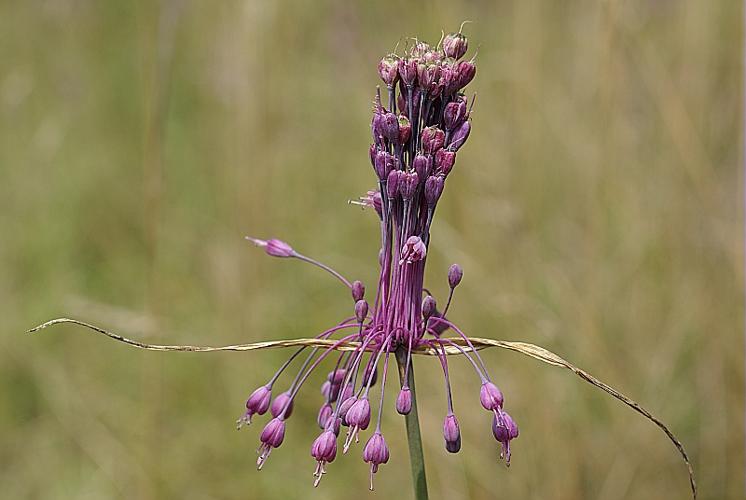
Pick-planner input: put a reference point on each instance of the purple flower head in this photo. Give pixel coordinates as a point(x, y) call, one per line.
point(459, 136)
point(324, 450)
point(444, 161)
point(455, 274)
point(491, 397)
point(388, 69)
point(404, 401)
point(257, 403)
point(375, 453)
point(358, 290)
point(361, 310)
point(282, 406)
point(271, 437)
point(452, 433)
point(505, 430)
point(416, 134)
point(433, 189)
point(275, 248)
point(414, 250)
point(455, 45)
point(432, 139)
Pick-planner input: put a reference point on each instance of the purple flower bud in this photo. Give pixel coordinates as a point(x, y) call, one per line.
point(455, 273)
point(466, 71)
point(455, 45)
point(490, 396)
point(384, 164)
point(414, 250)
point(392, 183)
point(408, 184)
point(432, 139)
point(451, 433)
point(454, 114)
point(405, 129)
point(375, 453)
point(404, 401)
point(325, 413)
point(428, 307)
point(460, 134)
point(324, 448)
point(345, 406)
point(371, 372)
point(275, 248)
point(376, 126)
point(282, 403)
point(271, 437)
point(361, 310)
point(257, 403)
point(336, 377)
point(449, 79)
point(422, 165)
point(433, 189)
point(504, 429)
point(358, 290)
point(408, 71)
point(444, 161)
point(359, 414)
point(388, 70)
point(390, 127)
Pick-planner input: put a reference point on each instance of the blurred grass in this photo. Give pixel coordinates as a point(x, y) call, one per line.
point(596, 211)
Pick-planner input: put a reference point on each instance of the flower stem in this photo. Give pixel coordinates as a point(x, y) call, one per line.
point(416, 456)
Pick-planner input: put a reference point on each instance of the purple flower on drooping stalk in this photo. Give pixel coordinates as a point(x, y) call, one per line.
point(415, 137)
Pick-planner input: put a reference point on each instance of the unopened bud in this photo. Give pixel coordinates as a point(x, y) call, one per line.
point(433, 189)
point(444, 161)
point(361, 310)
point(408, 71)
point(460, 134)
point(404, 401)
point(455, 273)
point(358, 290)
point(454, 114)
point(455, 45)
point(422, 165)
point(466, 71)
point(428, 307)
point(452, 433)
point(388, 69)
point(405, 129)
point(408, 184)
point(432, 139)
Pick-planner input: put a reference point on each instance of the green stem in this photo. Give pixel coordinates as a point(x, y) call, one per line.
point(416, 456)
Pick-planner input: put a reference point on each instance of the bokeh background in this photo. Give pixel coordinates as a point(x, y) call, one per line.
point(596, 211)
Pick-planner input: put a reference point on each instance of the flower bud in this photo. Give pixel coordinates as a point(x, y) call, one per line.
point(384, 164)
point(505, 430)
point(325, 413)
point(273, 433)
point(454, 114)
point(359, 414)
point(466, 71)
point(282, 406)
point(455, 45)
point(449, 79)
point(404, 401)
point(455, 273)
point(376, 126)
point(428, 307)
point(361, 310)
point(428, 76)
point(257, 403)
point(405, 129)
point(275, 248)
point(324, 448)
point(345, 406)
point(490, 396)
point(444, 161)
point(375, 453)
point(358, 290)
point(460, 134)
point(390, 127)
point(408, 184)
point(433, 189)
point(388, 69)
point(451, 433)
point(422, 165)
point(432, 139)
point(408, 71)
point(337, 376)
point(414, 250)
point(392, 183)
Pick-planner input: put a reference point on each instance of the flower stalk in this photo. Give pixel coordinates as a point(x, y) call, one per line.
point(412, 425)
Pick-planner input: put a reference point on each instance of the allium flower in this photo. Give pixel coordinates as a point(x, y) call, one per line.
point(415, 139)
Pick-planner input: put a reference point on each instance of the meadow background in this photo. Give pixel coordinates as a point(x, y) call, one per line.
point(596, 210)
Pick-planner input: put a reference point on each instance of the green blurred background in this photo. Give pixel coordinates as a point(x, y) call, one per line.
point(596, 210)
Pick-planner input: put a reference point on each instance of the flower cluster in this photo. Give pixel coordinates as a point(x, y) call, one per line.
point(415, 141)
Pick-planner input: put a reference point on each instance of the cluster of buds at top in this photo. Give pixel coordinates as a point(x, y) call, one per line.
point(416, 137)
